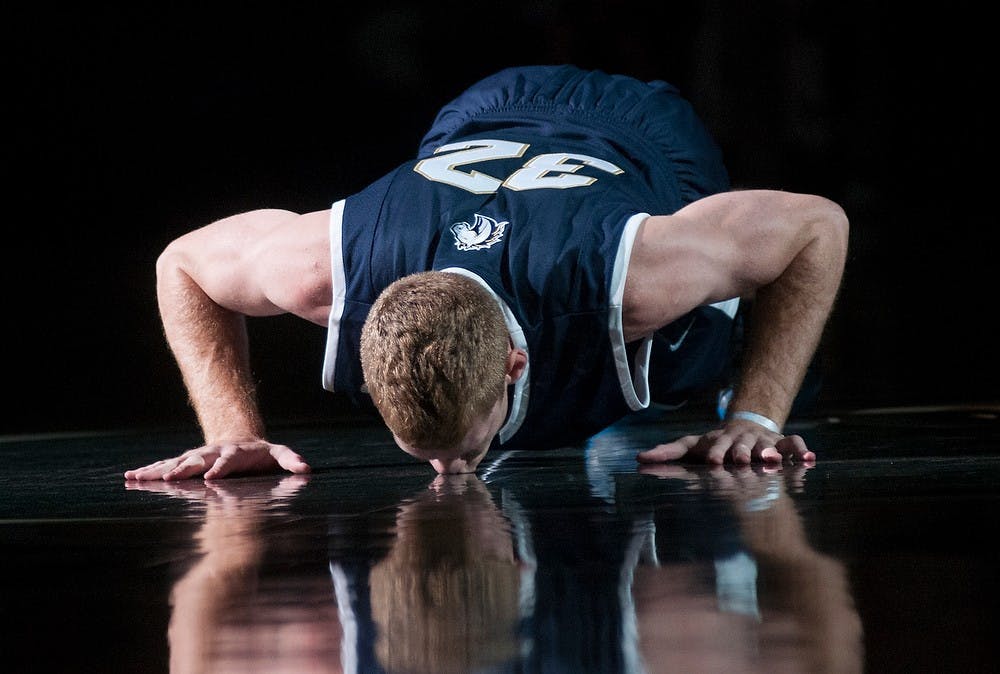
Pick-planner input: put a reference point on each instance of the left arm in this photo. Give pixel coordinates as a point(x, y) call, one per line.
point(787, 249)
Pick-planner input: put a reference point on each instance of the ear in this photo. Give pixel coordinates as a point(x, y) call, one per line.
point(517, 361)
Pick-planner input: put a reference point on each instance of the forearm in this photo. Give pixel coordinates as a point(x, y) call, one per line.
point(209, 343)
point(787, 322)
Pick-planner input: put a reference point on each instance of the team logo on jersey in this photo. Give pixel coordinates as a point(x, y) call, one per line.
point(482, 233)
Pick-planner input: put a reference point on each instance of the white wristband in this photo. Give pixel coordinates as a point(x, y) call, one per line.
point(758, 419)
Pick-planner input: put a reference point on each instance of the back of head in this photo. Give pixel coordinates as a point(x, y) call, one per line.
point(433, 351)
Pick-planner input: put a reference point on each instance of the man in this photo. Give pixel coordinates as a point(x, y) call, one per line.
point(512, 282)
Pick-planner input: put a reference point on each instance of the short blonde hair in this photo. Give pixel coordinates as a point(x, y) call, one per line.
point(434, 355)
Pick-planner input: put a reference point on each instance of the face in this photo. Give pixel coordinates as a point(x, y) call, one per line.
point(470, 451)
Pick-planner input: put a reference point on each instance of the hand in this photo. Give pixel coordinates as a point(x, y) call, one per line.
point(738, 441)
point(223, 459)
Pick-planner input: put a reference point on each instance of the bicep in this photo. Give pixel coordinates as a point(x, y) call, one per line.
point(223, 260)
point(719, 247)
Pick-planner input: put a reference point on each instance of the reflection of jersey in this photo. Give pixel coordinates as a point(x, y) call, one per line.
point(534, 182)
point(578, 550)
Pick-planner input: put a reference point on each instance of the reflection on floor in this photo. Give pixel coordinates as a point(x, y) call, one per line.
point(881, 557)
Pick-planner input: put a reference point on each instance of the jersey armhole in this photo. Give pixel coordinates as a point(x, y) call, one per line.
point(339, 294)
point(634, 379)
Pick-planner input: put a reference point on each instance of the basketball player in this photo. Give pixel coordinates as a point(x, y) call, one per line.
point(565, 249)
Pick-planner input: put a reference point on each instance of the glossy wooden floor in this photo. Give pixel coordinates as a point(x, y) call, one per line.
point(879, 558)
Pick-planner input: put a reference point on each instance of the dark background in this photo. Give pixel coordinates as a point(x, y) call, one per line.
point(128, 126)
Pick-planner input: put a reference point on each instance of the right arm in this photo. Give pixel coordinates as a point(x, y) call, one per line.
point(260, 263)
point(788, 251)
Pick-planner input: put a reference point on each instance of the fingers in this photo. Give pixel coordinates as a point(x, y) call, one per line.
point(256, 458)
point(740, 446)
point(193, 464)
point(711, 448)
point(218, 461)
point(669, 451)
point(224, 465)
point(177, 468)
point(770, 449)
point(262, 458)
point(153, 471)
point(794, 447)
point(740, 449)
point(289, 460)
point(243, 458)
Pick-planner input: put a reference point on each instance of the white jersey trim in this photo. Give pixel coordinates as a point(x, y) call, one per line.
point(635, 387)
point(339, 293)
point(519, 402)
point(728, 307)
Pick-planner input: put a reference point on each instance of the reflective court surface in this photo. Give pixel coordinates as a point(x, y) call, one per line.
point(881, 557)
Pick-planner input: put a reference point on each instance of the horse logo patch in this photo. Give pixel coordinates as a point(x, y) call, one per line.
point(482, 233)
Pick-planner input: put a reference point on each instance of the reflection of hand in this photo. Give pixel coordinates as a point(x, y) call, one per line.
point(194, 492)
point(264, 489)
point(757, 488)
point(737, 482)
point(222, 460)
point(739, 441)
point(753, 491)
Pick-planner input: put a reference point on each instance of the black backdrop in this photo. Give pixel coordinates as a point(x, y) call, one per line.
point(128, 126)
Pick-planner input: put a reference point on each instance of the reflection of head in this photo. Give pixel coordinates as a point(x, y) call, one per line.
point(445, 599)
point(433, 351)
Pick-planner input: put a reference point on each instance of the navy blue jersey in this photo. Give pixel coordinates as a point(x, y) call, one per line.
point(533, 182)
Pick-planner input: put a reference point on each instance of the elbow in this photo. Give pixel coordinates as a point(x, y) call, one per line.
point(165, 264)
point(815, 224)
point(802, 233)
point(843, 229)
point(171, 258)
point(835, 219)
point(171, 262)
point(832, 227)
